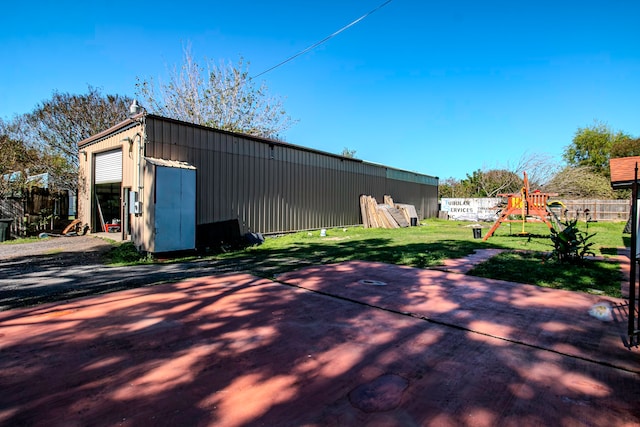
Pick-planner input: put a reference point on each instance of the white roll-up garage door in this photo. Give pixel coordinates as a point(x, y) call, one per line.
point(109, 167)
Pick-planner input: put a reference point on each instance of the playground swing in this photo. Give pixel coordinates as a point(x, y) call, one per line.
point(531, 206)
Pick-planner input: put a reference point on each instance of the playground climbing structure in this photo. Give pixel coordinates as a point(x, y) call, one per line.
point(530, 206)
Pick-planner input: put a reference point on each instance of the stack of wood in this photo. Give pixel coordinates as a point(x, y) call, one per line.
point(387, 214)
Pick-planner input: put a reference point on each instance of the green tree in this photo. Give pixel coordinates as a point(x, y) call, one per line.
point(626, 148)
point(16, 162)
point(591, 147)
point(447, 188)
point(470, 185)
point(56, 126)
point(222, 96)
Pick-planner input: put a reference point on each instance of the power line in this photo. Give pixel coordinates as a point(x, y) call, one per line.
point(313, 46)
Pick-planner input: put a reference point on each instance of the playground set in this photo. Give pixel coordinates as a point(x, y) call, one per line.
point(531, 206)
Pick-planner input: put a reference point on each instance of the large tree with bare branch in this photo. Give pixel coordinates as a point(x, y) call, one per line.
point(56, 125)
point(221, 95)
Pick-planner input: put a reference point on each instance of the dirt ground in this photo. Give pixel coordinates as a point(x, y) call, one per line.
point(65, 250)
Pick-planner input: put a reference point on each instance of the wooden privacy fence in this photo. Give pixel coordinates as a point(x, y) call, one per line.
point(13, 209)
point(37, 210)
point(599, 210)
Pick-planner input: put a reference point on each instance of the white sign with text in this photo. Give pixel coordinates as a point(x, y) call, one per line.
point(472, 209)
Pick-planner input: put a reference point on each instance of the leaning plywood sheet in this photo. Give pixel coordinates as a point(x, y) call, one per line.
point(387, 218)
point(399, 217)
point(363, 211)
point(374, 219)
point(409, 211)
point(368, 209)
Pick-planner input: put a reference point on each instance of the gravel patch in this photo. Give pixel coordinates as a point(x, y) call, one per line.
point(64, 245)
point(63, 268)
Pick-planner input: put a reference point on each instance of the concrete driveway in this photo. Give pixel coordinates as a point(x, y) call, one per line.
point(348, 344)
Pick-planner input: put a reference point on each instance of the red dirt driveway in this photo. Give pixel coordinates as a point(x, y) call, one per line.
point(352, 344)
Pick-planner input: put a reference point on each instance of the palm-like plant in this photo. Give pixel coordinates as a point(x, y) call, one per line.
point(570, 244)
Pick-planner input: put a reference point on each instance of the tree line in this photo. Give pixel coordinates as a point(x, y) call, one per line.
point(585, 175)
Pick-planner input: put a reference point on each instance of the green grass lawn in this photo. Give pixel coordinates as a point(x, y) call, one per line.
point(534, 267)
point(436, 240)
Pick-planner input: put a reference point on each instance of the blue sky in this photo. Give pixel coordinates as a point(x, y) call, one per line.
point(438, 87)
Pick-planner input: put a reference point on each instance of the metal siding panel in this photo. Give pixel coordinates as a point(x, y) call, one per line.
point(309, 190)
point(281, 190)
point(275, 192)
point(166, 133)
point(222, 162)
point(303, 188)
point(295, 208)
point(159, 129)
point(258, 187)
point(209, 194)
point(212, 195)
point(249, 173)
point(235, 177)
point(264, 198)
point(314, 188)
point(201, 159)
point(268, 195)
point(292, 191)
point(218, 181)
point(174, 132)
point(245, 176)
point(226, 182)
point(254, 197)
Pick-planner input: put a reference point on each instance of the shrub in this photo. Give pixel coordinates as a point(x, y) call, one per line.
point(570, 244)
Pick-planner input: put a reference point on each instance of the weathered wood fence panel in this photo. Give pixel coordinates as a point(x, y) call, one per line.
point(38, 210)
point(14, 209)
point(599, 210)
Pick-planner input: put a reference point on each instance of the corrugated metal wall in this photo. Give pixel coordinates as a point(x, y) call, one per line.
point(275, 187)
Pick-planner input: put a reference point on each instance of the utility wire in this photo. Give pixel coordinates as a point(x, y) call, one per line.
point(313, 46)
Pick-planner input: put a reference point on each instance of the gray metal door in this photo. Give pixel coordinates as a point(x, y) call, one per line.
point(175, 209)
